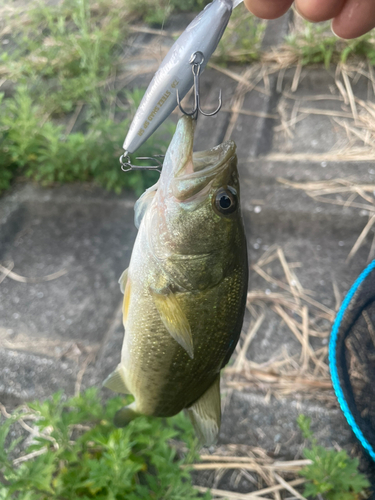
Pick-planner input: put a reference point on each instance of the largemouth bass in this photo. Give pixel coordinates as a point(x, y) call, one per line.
point(185, 288)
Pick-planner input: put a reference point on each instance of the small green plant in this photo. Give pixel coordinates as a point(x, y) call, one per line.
point(65, 52)
point(41, 150)
point(64, 120)
point(315, 44)
point(76, 453)
point(332, 474)
point(157, 12)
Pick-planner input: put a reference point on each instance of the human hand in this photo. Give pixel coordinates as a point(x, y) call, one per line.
point(351, 18)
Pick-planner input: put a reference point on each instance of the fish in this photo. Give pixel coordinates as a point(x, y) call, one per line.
point(185, 288)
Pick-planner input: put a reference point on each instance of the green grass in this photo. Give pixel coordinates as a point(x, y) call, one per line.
point(72, 450)
point(332, 474)
point(78, 454)
point(61, 59)
point(156, 12)
point(65, 54)
point(316, 44)
point(41, 151)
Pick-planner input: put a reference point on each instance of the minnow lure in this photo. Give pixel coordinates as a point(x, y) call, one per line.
point(175, 77)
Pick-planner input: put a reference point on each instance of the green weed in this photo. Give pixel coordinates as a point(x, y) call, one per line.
point(77, 453)
point(316, 44)
point(332, 473)
point(64, 52)
point(157, 12)
point(41, 151)
point(63, 59)
point(189, 5)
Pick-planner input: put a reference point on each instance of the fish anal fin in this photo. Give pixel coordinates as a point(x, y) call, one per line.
point(123, 280)
point(126, 415)
point(174, 320)
point(116, 381)
point(205, 414)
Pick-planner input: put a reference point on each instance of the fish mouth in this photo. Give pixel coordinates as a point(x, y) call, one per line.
point(212, 160)
point(196, 173)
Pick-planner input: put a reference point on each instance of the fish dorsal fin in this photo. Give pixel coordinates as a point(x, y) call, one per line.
point(123, 279)
point(143, 203)
point(174, 319)
point(116, 381)
point(205, 414)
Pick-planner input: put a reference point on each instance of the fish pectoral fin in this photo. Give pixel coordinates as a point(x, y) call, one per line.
point(174, 320)
point(116, 381)
point(205, 414)
point(143, 203)
point(123, 280)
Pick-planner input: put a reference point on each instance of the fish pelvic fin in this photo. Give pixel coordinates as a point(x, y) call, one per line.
point(174, 320)
point(126, 415)
point(205, 414)
point(123, 280)
point(116, 381)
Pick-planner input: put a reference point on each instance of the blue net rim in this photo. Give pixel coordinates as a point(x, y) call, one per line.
point(333, 362)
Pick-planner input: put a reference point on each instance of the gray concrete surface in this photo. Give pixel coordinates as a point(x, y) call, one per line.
point(53, 333)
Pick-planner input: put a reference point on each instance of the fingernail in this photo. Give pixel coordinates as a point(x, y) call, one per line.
point(333, 31)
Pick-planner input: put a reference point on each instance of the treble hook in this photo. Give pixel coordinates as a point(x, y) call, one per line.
point(196, 61)
point(126, 164)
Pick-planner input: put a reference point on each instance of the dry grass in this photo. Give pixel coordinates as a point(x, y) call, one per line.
point(6, 272)
point(345, 193)
point(353, 120)
point(270, 478)
point(75, 350)
point(306, 372)
point(305, 318)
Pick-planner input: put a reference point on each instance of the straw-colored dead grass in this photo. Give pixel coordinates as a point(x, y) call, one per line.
point(304, 316)
point(270, 478)
point(345, 193)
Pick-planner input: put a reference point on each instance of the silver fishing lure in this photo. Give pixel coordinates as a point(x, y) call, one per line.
point(177, 73)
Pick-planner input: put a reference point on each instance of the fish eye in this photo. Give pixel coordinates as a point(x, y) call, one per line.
point(226, 200)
